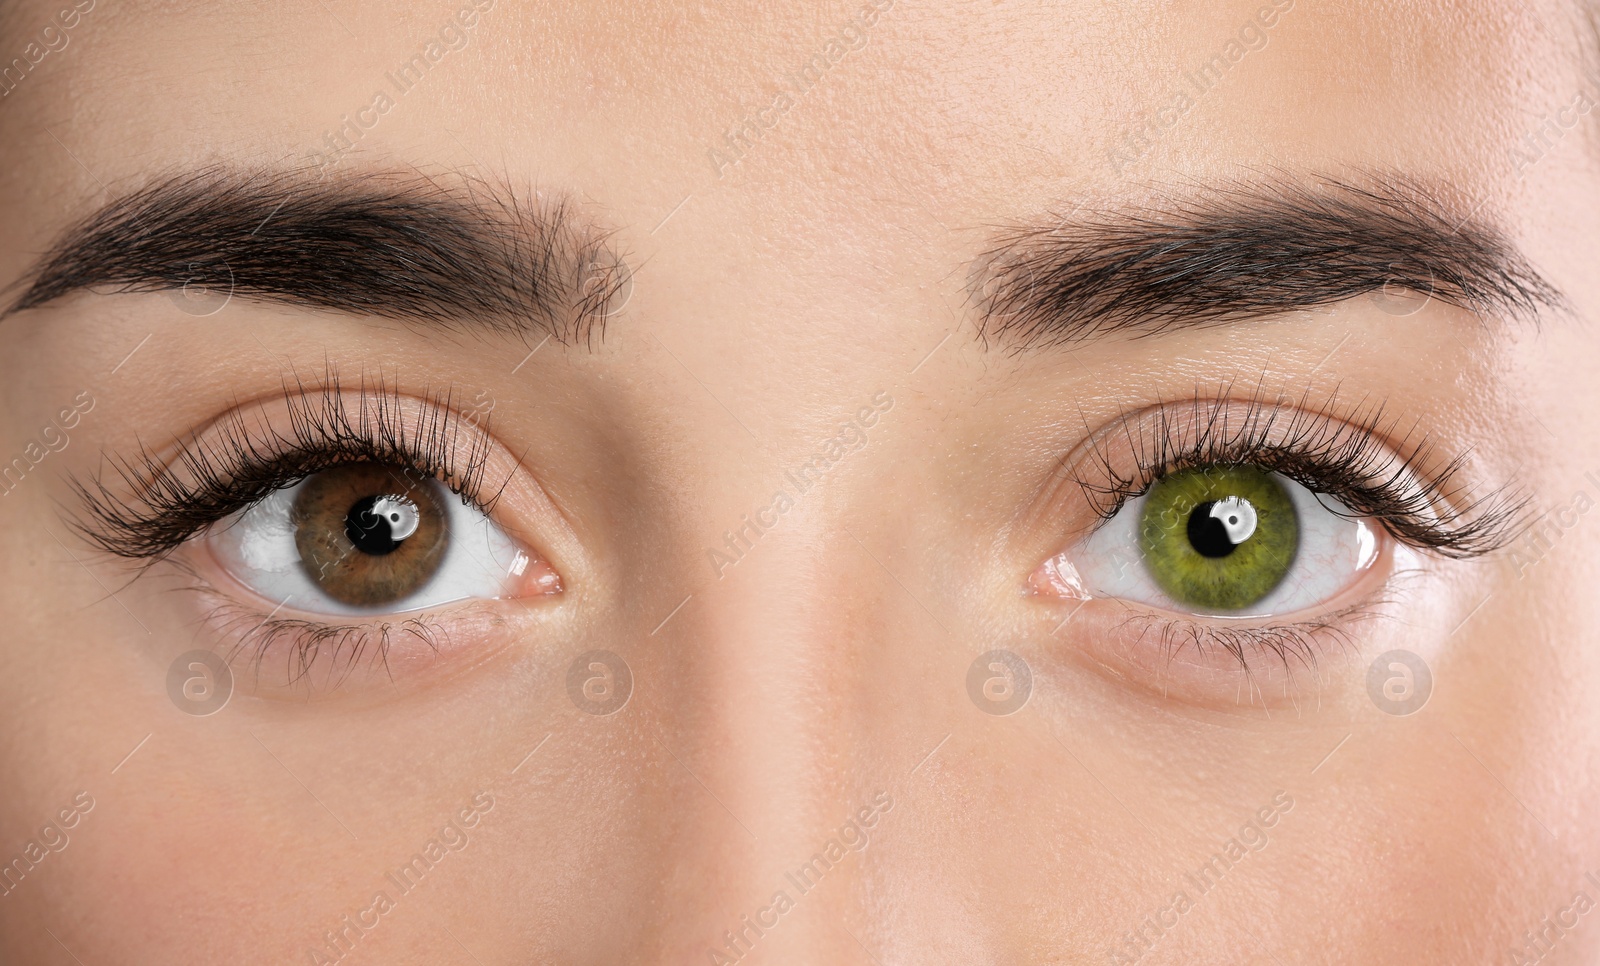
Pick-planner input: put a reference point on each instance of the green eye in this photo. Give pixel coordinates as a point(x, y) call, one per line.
point(1218, 537)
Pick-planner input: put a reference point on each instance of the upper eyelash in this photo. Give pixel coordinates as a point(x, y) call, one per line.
point(1346, 460)
point(151, 508)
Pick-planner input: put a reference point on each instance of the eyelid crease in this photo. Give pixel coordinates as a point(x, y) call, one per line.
point(1275, 652)
point(152, 506)
point(1348, 460)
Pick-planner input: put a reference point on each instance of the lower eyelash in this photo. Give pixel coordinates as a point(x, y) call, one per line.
point(255, 635)
point(1346, 460)
point(1302, 643)
point(1289, 643)
point(304, 641)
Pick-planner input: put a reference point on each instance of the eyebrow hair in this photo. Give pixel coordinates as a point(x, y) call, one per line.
point(1243, 251)
point(397, 245)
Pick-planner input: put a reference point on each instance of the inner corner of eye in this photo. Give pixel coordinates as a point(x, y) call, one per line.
point(1057, 577)
point(365, 538)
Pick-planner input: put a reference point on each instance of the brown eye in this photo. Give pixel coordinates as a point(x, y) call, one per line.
point(369, 535)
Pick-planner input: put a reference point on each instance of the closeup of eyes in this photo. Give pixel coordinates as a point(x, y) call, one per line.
point(325, 529)
point(1225, 532)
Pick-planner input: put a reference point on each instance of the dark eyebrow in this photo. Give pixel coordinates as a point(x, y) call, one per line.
point(461, 254)
point(1243, 251)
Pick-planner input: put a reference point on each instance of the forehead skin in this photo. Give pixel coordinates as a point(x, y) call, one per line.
point(771, 294)
point(623, 106)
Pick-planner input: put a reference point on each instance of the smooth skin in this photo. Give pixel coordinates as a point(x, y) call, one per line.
point(823, 675)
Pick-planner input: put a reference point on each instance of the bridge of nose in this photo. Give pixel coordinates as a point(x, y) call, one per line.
point(807, 686)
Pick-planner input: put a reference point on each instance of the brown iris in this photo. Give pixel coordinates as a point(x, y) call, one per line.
point(369, 535)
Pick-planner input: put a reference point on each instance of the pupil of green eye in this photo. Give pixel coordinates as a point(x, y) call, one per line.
point(1218, 538)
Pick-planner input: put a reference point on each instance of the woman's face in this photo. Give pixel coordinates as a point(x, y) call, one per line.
point(877, 483)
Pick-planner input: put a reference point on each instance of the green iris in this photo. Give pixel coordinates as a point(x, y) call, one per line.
point(1218, 537)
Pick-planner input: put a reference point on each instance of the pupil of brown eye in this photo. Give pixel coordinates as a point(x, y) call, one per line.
point(375, 525)
point(370, 534)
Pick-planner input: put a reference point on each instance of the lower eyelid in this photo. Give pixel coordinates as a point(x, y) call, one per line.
point(1297, 661)
point(1223, 662)
point(284, 655)
point(280, 651)
point(1220, 666)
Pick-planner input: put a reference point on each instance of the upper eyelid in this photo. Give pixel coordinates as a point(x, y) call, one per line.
point(231, 462)
point(1347, 458)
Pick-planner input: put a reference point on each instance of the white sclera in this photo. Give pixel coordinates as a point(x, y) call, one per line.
point(1335, 548)
point(256, 546)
